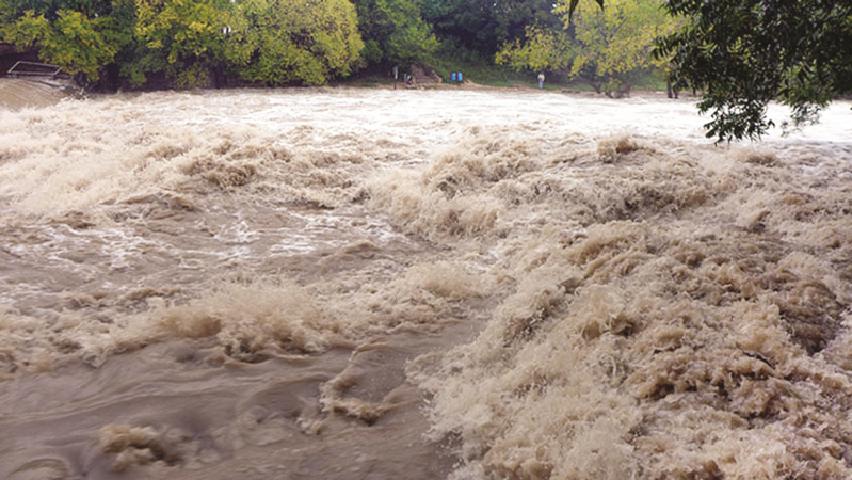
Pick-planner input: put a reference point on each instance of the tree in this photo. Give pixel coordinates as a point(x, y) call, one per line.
point(470, 24)
point(80, 37)
point(484, 25)
point(515, 17)
point(745, 53)
point(182, 39)
point(394, 32)
point(13, 9)
point(190, 42)
point(284, 41)
point(543, 49)
point(608, 48)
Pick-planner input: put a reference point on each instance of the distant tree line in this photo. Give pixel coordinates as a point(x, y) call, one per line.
point(608, 48)
point(186, 43)
point(740, 54)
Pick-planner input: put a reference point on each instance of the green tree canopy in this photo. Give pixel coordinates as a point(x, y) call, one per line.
point(745, 53)
point(303, 41)
point(189, 42)
point(468, 23)
point(608, 48)
point(542, 49)
point(394, 31)
point(182, 38)
point(514, 17)
point(11, 9)
point(81, 37)
point(484, 25)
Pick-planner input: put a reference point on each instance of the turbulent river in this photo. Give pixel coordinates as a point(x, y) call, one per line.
point(366, 284)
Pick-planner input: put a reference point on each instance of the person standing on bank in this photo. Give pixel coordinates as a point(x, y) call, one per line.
point(541, 80)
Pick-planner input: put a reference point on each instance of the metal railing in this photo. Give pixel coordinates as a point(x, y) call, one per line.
point(33, 69)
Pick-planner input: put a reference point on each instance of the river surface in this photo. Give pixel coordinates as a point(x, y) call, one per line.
point(368, 284)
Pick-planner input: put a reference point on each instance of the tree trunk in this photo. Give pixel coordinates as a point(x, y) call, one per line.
point(218, 75)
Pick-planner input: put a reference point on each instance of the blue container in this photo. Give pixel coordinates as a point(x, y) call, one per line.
point(461, 77)
point(452, 76)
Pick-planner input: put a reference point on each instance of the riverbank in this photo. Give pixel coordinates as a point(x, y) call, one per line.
point(16, 94)
point(479, 76)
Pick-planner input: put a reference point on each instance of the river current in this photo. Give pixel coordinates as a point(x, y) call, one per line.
point(375, 284)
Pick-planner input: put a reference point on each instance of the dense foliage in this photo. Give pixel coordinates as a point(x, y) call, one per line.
point(394, 32)
point(181, 38)
point(608, 48)
point(741, 54)
point(745, 53)
point(294, 41)
point(81, 37)
point(189, 43)
point(484, 25)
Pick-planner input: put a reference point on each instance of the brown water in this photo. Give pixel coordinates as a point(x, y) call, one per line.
point(257, 284)
point(16, 94)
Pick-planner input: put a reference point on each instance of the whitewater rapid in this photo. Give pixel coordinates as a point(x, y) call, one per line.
point(344, 283)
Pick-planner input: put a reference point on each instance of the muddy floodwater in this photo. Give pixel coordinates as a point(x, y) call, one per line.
point(367, 284)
